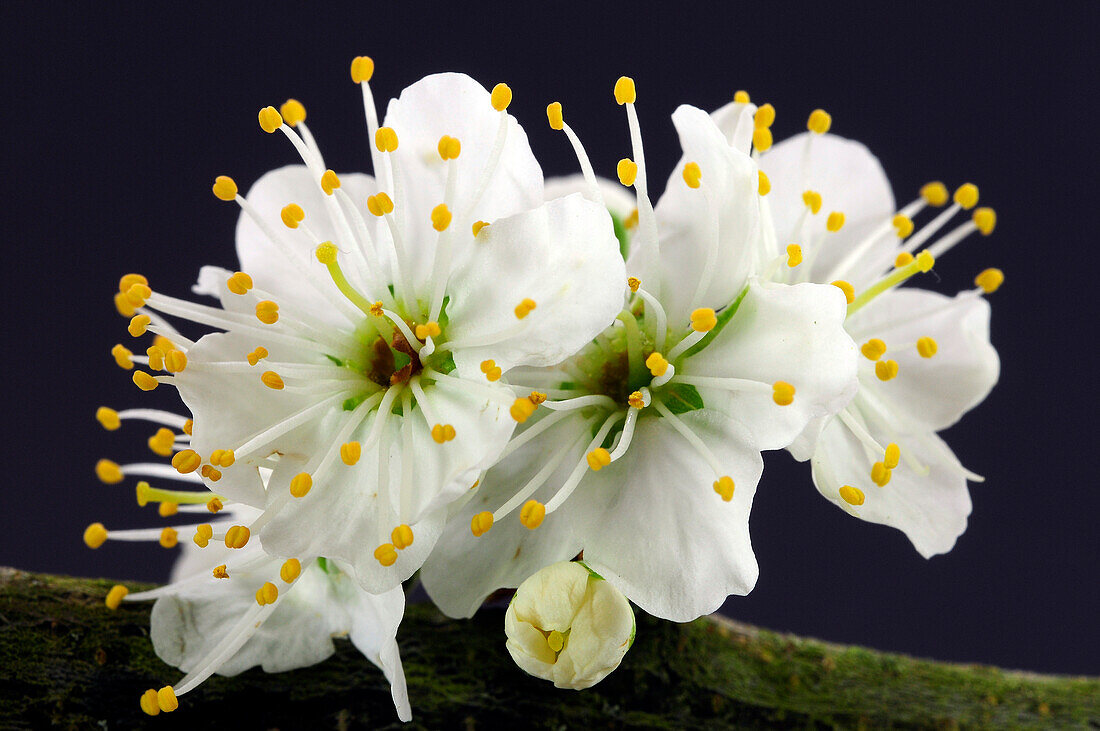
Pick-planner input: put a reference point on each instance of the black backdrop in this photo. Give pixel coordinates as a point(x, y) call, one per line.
point(116, 121)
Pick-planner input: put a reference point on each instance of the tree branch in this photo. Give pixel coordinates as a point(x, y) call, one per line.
point(69, 662)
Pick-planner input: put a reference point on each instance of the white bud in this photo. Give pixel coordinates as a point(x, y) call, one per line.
point(568, 625)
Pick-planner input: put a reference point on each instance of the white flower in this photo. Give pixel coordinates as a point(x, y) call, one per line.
point(926, 358)
point(365, 337)
point(569, 626)
point(648, 442)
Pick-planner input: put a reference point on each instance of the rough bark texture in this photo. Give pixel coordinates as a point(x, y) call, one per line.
point(68, 662)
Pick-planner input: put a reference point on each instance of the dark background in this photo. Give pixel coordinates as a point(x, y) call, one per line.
point(116, 121)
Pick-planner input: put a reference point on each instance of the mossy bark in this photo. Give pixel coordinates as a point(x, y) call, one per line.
point(66, 661)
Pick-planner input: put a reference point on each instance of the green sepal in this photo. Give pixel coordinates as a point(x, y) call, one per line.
point(591, 573)
point(681, 398)
point(621, 234)
point(351, 404)
point(335, 360)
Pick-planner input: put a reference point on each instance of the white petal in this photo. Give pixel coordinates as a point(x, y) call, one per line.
point(790, 333)
point(736, 122)
point(619, 200)
point(564, 256)
point(929, 393)
point(455, 105)
point(262, 259)
point(654, 527)
point(599, 637)
point(464, 569)
point(722, 215)
point(850, 180)
point(930, 509)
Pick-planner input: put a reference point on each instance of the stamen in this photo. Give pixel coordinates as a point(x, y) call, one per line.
point(481, 523)
point(532, 514)
point(115, 596)
point(557, 121)
point(402, 537)
point(873, 349)
point(724, 486)
point(301, 484)
point(886, 369)
point(927, 347)
point(654, 309)
point(852, 495)
point(782, 393)
point(990, 280)
point(290, 570)
point(880, 474)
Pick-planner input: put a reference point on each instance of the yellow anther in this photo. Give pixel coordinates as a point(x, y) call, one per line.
point(210, 473)
point(903, 225)
point(386, 554)
point(188, 426)
point(427, 330)
point(741, 97)
point(794, 255)
point(873, 349)
point(627, 171)
point(167, 509)
point(257, 355)
point(301, 484)
point(834, 222)
point(904, 259)
point(214, 505)
point(161, 442)
point(220, 572)
point(175, 361)
point(239, 283)
point(636, 400)
point(385, 139)
point(990, 280)
point(441, 217)
point(292, 215)
point(156, 357)
point(203, 534)
point(122, 356)
point(536, 398)
point(137, 294)
point(488, 365)
point(523, 309)
point(402, 537)
point(123, 305)
point(554, 115)
point(267, 594)
point(501, 97)
point(293, 112)
point(703, 320)
point(330, 181)
point(819, 122)
point(880, 474)
point(598, 459)
point(724, 486)
point(237, 536)
point(376, 309)
point(764, 186)
point(169, 537)
point(270, 119)
point(379, 205)
point(927, 347)
point(223, 457)
point(115, 596)
point(478, 225)
point(326, 253)
point(782, 393)
point(985, 219)
point(555, 640)
point(656, 364)
point(967, 195)
point(633, 283)
point(925, 261)
point(290, 570)
point(163, 343)
point(631, 221)
point(149, 702)
point(886, 369)
point(764, 117)
point(362, 69)
point(532, 514)
point(852, 495)
point(625, 91)
point(144, 381)
point(225, 188)
point(443, 433)
point(481, 523)
point(845, 287)
point(129, 280)
point(186, 461)
point(812, 199)
point(350, 452)
point(95, 535)
point(267, 312)
point(521, 409)
point(108, 472)
point(934, 193)
point(449, 147)
point(138, 325)
point(108, 418)
point(762, 139)
point(892, 456)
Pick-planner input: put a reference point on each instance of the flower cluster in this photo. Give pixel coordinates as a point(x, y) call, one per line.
point(459, 369)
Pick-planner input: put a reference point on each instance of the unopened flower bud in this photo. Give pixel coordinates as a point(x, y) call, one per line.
point(568, 625)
